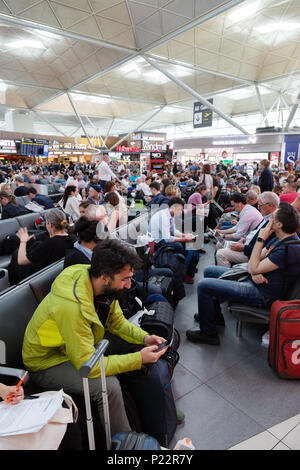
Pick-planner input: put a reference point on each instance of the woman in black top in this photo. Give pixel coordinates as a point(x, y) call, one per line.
point(82, 251)
point(34, 256)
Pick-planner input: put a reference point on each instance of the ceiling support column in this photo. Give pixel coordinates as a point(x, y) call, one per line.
point(195, 94)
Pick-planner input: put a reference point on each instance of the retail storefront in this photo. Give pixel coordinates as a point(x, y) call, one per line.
point(232, 149)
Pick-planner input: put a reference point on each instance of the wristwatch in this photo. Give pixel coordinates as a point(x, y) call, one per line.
point(259, 239)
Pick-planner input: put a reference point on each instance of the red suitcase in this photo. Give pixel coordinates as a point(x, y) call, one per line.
point(284, 347)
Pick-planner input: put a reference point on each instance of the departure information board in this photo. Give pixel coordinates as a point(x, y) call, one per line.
point(34, 147)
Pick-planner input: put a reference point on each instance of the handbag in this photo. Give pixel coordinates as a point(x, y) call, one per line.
point(239, 272)
point(50, 436)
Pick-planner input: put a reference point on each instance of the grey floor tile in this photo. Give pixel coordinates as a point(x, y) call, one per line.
point(211, 422)
point(254, 388)
point(183, 381)
point(262, 441)
point(207, 361)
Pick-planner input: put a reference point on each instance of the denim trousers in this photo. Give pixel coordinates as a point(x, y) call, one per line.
point(191, 258)
point(211, 287)
point(226, 224)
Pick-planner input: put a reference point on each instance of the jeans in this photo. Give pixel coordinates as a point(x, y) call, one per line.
point(241, 292)
point(226, 224)
point(191, 258)
point(191, 261)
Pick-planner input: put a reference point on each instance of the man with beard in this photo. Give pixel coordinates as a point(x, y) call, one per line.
point(81, 309)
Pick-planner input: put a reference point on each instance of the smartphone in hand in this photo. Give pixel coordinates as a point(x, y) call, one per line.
point(162, 346)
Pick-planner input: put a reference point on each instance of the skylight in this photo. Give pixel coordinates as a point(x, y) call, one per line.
point(275, 27)
point(26, 43)
point(244, 12)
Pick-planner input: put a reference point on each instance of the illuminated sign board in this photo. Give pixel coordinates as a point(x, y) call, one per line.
point(7, 146)
point(121, 148)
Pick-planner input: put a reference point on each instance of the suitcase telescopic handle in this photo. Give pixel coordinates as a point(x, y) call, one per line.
point(87, 367)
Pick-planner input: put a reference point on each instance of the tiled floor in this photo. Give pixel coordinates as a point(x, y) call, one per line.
point(228, 393)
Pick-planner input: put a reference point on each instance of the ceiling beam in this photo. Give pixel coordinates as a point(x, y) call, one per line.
point(132, 53)
point(64, 33)
point(292, 113)
point(108, 131)
point(261, 104)
point(138, 127)
point(48, 122)
point(79, 119)
point(195, 94)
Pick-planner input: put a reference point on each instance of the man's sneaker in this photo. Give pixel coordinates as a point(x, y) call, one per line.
point(180, 416)
point(220, 320)
point(196, 336)
point(188, 280)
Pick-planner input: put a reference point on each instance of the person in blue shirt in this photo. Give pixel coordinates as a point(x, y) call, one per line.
point(158, 198)
point(40, 199)
point(133, 178)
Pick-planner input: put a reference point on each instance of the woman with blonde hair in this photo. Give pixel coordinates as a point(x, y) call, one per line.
point(171, 191)
point(255, 188)
point(33, 255)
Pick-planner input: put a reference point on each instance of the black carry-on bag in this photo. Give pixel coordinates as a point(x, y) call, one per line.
point(122, 440)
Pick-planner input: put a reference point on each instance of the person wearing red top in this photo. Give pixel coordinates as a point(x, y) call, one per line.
point(296, 203)
point(290, 193)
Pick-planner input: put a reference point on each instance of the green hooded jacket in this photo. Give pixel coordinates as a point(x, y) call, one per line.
point(66, 327)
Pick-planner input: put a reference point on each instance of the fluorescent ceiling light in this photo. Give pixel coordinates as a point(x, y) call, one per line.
point(92, 99)
point(171, 110)
point(131, 66)
point(26, 43)
point(275, 27)
point(155, 77)
point(239, 94)
point(244, 12)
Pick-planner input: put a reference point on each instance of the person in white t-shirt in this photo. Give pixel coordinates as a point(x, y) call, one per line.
point(104, 172)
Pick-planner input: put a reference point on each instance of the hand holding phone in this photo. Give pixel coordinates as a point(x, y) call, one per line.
point(162, 346)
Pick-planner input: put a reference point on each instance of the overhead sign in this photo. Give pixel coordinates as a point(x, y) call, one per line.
point(121, 148)
point(157, 156)
point(7, 146)
point(151, 147)
point(203, 116)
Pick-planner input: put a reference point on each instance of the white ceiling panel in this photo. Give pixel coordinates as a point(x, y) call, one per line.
point(95, 44)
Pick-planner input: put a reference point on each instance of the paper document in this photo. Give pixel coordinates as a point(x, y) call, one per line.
point(28, 415)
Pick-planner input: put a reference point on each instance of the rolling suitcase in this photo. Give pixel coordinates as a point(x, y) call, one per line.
point(121, 441)
point(284, 344)
point(152, 393)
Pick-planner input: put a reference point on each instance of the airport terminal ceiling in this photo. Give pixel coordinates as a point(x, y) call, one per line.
point(100, 66)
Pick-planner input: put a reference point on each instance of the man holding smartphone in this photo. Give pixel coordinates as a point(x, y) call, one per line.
point(82, 309)
point(250, 218)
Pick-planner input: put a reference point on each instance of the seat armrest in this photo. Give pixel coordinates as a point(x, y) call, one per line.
point(12, 372)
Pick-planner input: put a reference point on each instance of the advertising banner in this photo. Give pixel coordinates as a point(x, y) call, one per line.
point(291, 153)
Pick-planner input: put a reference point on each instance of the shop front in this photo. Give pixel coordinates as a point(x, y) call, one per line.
point(153, 150)
point(230, 149)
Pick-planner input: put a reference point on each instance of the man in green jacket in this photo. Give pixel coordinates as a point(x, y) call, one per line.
point(81, 309)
